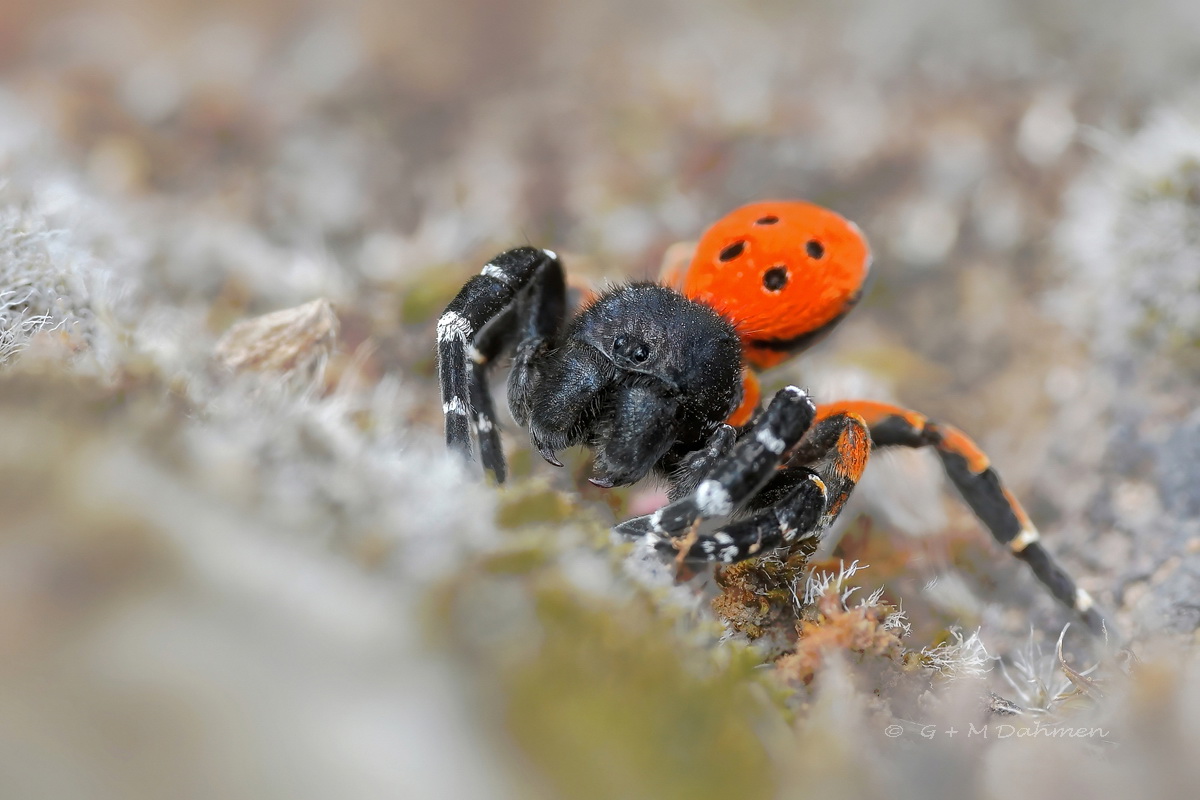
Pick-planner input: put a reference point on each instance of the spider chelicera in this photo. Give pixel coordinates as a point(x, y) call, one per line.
point(661, 378)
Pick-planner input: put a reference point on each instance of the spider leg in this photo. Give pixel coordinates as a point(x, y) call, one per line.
point(749, 464)
point(694, 466)
point(463, 353)
point(796, 516)
point(837, 449)
point(545, 307)
point(799, 502)
point(489, 343)
point(971, 472)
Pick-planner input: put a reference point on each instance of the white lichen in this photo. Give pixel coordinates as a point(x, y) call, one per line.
point(1039, 679)
point(819, 583)
point(43, 283)
point(963, 657)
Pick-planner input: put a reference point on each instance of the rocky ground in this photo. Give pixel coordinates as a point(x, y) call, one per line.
point(236, 561)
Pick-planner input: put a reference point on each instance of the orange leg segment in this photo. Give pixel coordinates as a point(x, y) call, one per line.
point(836, 448)
point(971, 472)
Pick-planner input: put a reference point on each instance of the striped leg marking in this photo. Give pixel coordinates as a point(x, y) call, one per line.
point(696, 466)
point(795, 517)
point(749, 465)
point(481, 301)
point(487, 432)
point(971, 472)
point(837, 449)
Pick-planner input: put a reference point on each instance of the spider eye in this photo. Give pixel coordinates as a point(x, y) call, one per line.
point(732, 251)
point(630, 349)
point(775, 278)
point(814, 248)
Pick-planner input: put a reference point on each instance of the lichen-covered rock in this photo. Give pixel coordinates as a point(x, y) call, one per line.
point(1131, 288)
point(1132, 234)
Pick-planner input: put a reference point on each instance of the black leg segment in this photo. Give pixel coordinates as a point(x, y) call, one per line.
point(971, 472)
point(795, 516)
point(750, 464)
point(465, 345)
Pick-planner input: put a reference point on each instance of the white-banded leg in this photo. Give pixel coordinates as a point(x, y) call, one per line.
point(484, 299)
point(799, 502)
point(489, 343)
point(748, 466)
point(795, 517)
point(971, 472)
point(1008, 523)
point(695, 466)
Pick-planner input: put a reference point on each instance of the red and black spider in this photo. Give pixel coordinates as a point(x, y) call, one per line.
point(660, 377)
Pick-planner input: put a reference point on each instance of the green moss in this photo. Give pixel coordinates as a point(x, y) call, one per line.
point(430, 292)
point(533, 504)
point(603, 695)
point(517, 561)
point(610, 706)
point(520, 463)
point(1183, 185)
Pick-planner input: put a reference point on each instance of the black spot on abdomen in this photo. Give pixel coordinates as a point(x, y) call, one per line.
point(730, 252)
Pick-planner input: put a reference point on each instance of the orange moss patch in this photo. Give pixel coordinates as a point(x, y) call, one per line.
point(756, 596)
point(829, 627)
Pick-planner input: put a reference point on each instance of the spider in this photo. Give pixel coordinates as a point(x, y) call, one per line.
point(661, 378)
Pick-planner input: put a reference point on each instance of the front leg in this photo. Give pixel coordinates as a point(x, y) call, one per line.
point(544, 309)
point(464, 347)
point(695, 466)
point(748, 466)
point(793, 519)
point(799, 503)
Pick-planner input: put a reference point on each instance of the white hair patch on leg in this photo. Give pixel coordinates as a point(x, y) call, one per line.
point(769, 441)
point(1026, 537)
point(492, 271)
point(453, 325)
point(713, 500)
point(1083, 601)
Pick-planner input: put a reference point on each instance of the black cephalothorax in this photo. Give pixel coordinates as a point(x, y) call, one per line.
point(642, 375)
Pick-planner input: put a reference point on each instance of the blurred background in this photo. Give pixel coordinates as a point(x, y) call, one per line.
point(248, 569)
